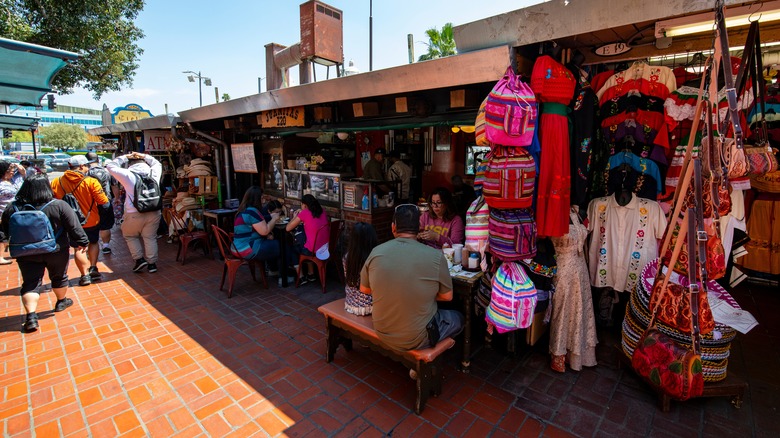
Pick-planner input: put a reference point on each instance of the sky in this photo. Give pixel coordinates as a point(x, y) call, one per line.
point(226, 41)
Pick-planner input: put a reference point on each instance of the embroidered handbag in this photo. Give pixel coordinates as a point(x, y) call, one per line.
point(512, 299)
point(477, 218)
point(511, 234)
point(509, 180)
point(510, 112)
point(660, 361)
point(761, 160)
point(479, 126)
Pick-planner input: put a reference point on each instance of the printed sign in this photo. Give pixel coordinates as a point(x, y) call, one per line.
point(157, 140)
point(349, 197)
point(281, 118)
point(244, 157)
point(612, 49)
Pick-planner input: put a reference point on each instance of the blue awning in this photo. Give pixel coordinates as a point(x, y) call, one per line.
point(19, 123)
point(26, 71)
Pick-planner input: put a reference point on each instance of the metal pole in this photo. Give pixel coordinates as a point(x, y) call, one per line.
point(200, 90)
point(371, 35)
point(35, 151)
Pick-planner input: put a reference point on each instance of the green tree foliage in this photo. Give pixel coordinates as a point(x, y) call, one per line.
point(64, 136)
point(20, 136)
point(225, 97)
point(101, 31)
point(440, 44)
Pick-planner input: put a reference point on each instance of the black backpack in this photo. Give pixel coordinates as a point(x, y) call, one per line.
point(147, 195)
point(73, 202)
point(104, 178)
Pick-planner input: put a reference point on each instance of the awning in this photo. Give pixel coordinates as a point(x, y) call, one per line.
point(165, 121)
point(26, 71)
point(19, 123)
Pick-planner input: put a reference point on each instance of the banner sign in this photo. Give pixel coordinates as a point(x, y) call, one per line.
point(158, 140)
point(281, 118)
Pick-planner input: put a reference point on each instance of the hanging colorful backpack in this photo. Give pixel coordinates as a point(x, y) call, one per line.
point(479, 126)
point(477, 217)
point(509, 180)
point(510, 112)
point(512, 300)
point(511, 234)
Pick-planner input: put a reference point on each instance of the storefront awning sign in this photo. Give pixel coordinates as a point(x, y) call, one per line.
point(282, 118)
point(157, 140)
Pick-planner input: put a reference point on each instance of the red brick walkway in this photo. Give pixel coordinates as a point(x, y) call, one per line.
point(167, 354)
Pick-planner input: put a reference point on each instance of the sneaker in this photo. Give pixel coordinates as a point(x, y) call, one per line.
point(85, 280)
point(152, 267)
point(304, 280)
point(273, 273)
point(63, 304)
point(106, 250)
point(139, 264)
point(94, 274)
point(31, 324)
point(311, 278)
point(169, 240)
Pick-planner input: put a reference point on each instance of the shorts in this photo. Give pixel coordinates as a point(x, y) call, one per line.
point(33, 268)
point(106, 217)
point(93, 233)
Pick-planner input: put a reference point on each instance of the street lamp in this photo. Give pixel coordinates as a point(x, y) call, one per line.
point(201, 80)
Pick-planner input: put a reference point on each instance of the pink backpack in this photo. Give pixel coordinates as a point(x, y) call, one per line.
point(510, 112)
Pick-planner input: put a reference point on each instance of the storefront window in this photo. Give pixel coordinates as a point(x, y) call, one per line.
point(474, 155)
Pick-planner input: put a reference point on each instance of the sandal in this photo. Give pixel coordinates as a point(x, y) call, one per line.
point(558, 363)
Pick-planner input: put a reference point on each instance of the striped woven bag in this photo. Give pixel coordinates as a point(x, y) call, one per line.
point(479, 126)
point(510, 112)
point(512, 300)
point(511, 234)
point(510, 176)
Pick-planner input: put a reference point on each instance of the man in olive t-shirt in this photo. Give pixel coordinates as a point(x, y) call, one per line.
point(406, 278)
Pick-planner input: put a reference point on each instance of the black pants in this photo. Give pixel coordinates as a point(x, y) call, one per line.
point(33, 267)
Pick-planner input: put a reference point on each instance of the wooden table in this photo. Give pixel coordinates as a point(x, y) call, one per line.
point(281, 235)
point(222, 217)
point(466, 289)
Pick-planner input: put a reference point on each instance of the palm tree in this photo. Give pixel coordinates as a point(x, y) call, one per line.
point(225, 97)
point(440, 44)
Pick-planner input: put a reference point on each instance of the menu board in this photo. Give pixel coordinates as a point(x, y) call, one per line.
point(244, 157)
point(349, 197)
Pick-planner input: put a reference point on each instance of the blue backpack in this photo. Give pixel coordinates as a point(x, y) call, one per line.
point(30, 232)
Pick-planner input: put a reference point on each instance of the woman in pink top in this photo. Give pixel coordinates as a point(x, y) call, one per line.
point(317, 234)
point(441, 223)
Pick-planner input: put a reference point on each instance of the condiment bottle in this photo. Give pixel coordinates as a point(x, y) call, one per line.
point(473, 260)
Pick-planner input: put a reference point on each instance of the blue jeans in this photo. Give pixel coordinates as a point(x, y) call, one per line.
point(450, 323)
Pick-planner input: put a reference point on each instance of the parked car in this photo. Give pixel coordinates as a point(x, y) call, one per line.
point(59, 161)
point(10, 158)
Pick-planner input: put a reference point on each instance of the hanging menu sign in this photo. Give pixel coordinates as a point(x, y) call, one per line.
point(281, 117)
point(244, 157)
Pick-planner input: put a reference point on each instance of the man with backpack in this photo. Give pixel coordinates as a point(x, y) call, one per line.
point(106, 213)
point(85, 195)
point(141, 181)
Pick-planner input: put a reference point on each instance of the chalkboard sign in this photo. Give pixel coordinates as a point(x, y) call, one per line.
point(244, 157)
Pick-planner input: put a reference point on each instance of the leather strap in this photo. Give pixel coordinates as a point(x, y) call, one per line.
point(731, 92)
point(660, 276)
point(693, 288)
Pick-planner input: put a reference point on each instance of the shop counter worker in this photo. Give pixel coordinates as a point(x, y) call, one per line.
point(405, 313)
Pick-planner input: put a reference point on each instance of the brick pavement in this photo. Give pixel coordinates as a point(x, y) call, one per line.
point(167, 354)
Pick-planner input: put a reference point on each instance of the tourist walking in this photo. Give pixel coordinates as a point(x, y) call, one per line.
point(11, 178)
point(106, 212)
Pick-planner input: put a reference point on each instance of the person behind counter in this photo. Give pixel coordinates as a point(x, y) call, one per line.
point(253, 238)
point(441, 224)
point(374, 169)
point(400, 171)
point(313, 218)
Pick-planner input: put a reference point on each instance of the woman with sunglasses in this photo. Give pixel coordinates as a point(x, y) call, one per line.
point(441, 224)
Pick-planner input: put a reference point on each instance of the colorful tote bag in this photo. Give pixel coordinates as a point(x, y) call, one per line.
point(510, 112)
point(509, 180)
point(512, 300)
point(477, 218)
point(479, 126)
point(511, 234)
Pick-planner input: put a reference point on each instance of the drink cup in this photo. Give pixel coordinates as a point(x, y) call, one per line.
point(457, 256)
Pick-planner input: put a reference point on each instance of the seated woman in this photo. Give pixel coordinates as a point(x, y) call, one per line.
point(441, 223)
point(362, 239)
point(313, 218)
point(253, 237)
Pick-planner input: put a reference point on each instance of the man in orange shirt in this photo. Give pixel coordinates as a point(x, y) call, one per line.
point(90, 196)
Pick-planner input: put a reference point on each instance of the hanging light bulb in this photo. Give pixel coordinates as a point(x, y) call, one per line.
point(467, 129)
point(455, 129)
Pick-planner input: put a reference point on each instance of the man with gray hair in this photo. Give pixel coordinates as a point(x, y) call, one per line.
point(136, 226)
point(405, 315)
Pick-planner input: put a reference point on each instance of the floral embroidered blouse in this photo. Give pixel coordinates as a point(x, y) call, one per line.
point(624, 240)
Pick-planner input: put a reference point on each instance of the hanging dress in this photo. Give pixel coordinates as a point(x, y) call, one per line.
point(554, 87)
point(573, 325)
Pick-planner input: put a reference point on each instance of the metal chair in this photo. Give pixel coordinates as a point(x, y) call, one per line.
point(332, 229)
point(232, 263)
point(186, 238)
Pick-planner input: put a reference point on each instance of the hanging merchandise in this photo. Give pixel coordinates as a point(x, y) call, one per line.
point(584, 108)
point(512, 301)
point(509, 178)
point(480, 135)
point(624, 240)
point(670, 368)
point(554, 86)
point(510, 112)
point(511, 234)
point(477, 217)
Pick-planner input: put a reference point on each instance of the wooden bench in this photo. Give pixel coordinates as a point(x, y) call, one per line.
point(343, 327)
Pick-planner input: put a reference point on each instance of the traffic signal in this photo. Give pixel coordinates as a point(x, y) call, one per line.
point(51, 105)
point(7, 133)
